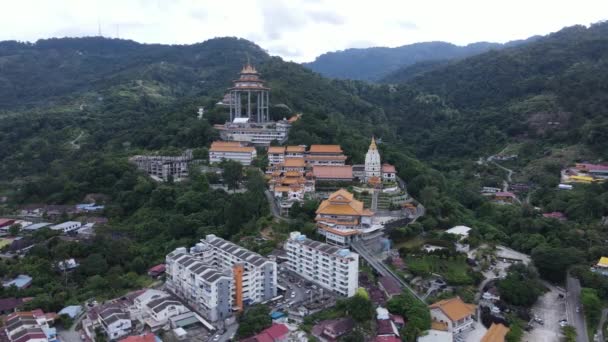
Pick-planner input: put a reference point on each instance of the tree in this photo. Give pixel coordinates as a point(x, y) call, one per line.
point(360, 307)
point(94, 264)
point(254, 320)
point(553, 263)
point(592, 306)
point(419, 317)
point(569, 333)
point(232, 173)
point(521, 286)
point(14, 229)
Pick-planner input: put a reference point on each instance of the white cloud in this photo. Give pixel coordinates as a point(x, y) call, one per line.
point(297, 30)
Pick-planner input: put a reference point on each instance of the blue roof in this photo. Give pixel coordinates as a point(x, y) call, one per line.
point(277, 315)
point(20, 282)
point(72, 311)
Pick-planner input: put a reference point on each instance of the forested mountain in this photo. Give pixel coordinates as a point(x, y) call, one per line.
point(372, 64)
point(553, 89)
point(73, 110)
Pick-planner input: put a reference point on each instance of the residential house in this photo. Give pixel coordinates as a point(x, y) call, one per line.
point(154, 308)
point(30, 326)
point(275, 333)
point(157, 271)
point(10, 305)
point(149, 337)
point(331, 330)
point(115, 321)
point(455, 313)
point(67, 227)
point(22, 281)
point(71, 311)
point(496, 333)
point(390, 286)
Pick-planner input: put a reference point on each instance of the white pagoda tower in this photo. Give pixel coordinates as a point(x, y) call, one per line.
point(373, 166)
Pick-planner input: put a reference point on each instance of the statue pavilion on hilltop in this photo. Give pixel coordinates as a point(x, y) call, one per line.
point(248, 101)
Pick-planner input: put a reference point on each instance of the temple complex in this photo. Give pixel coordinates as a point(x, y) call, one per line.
point(248, 101)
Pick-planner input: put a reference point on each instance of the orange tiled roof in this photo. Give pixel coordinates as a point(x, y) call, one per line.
point(388, 168)
point(226, 144)
point(496, 333)
point(294, 162)
point(325, 149)
point(232, 149)
point(296, 149)
point(342, 202)
point(276, 149)
point(454, 308)
point(338, 231)
point(334, 157)
point(333, 172)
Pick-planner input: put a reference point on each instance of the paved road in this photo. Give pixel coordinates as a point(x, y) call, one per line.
point(573, 301)
point(274, 209)
point(382, 269)
point(600, 330)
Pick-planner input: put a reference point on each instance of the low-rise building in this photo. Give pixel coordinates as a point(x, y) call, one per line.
point(601, 267)
point(276, 155)
point(453, 312)
point(115, 322)
point(154, 308)
point(256, 133)
point(325, 155)
point(276, 333)
point(30, 326)
point(231, 150)
point(331, 330)
point(331, 267)
point(67, 227)
point(496, 333)
point(390, 286)
point(337, 173)
point(21, 281)
point(389, 173)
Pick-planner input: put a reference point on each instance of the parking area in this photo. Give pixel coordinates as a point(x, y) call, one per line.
point(550, 308)
point(298, 291)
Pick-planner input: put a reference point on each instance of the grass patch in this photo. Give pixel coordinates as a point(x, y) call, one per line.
point(453, 269)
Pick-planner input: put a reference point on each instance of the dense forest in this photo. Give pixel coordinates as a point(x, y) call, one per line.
point(73, 110)
point(375, 63)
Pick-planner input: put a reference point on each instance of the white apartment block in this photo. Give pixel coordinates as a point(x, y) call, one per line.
point(67, 227)
point(255, 277)
point(231, 151)
point(331, 267)
point(200, 284)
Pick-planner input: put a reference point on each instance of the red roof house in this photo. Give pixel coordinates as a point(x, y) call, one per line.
point(276, 333)
point(157, 270)
point(149, 337)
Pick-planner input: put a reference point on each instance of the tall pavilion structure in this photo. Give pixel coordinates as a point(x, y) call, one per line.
point(250, 98)
point(373, 167)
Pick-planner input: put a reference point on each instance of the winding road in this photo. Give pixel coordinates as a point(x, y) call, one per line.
point(573, 301)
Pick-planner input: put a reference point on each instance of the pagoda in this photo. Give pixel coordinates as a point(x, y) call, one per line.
point(249, 97)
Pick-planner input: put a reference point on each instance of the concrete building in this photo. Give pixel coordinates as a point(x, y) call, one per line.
point(115, 321)
point(201, 285)
point(454, 314)
point(67, 227)
point(389, 173)
point(30, 326)
point(259, 134)
point(325, 155)
point(336, 173)
point(255, 277)
point(230, 150)
point(154, 308)
point(276, 155)
point(163, 168)
point(331, 267)
point(249, 98)
point(373, 166)
point(217, 277)
point(342, 219)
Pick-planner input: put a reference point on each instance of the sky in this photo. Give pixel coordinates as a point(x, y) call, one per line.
point(297, 30)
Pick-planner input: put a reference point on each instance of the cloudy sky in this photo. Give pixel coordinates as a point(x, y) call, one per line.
point(297, 30)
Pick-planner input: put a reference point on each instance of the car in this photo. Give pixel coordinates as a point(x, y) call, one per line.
point(578, 309)
point(216, 337)
point(563, 323)
point(293, 294)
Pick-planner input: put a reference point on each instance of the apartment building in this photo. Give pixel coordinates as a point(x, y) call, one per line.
point(200, 284)
point(331, 267)
point(255, 277)
point(231, 150)
point(163, 168)
point(216, 277)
